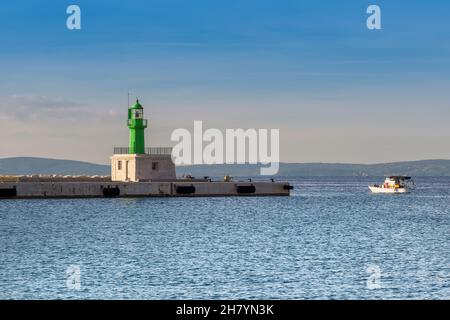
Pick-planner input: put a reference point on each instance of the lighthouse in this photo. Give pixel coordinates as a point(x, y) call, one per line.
point(138, 163)
point(136, 124)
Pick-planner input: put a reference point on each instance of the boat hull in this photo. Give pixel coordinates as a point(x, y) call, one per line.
point(388, 190)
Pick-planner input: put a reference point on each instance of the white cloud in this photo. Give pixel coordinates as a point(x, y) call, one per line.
point(28, 107)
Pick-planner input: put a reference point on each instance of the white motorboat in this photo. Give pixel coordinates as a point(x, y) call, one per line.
point(394, 184)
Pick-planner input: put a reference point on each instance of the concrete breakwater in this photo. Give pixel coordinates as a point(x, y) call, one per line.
point(85, 189)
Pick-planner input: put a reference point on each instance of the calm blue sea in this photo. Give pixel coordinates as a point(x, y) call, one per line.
point(331, 239)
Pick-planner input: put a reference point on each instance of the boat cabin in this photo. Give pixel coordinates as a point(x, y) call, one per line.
point(395, 182)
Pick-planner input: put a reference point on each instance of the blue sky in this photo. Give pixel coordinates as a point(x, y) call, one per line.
point(337, 91)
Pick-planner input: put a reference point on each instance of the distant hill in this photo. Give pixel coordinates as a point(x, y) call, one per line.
point(422, 168)
point(24, 165)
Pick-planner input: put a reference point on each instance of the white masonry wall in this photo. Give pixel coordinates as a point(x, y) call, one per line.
point(142, 167)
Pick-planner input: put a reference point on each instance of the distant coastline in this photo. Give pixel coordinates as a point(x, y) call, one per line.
point(421, 168)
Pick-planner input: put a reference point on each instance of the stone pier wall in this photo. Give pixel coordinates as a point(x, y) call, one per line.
point(67, 189)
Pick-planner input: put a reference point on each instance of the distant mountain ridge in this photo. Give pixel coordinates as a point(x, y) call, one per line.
point(423, 168)
point(30, 165)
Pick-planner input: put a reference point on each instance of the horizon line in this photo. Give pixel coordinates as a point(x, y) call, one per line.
point(215, 164)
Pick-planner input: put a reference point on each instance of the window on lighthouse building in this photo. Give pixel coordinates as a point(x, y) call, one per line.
point(138, 114)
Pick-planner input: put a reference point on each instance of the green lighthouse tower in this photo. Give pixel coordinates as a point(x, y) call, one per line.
point(136, 124)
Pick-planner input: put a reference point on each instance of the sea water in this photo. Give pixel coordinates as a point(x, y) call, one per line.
point(331, 239)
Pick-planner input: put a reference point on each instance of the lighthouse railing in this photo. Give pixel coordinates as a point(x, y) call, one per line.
point(144, 122)
point(157, 151)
